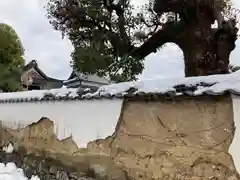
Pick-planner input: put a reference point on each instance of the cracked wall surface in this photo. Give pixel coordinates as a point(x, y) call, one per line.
point(185, 138)
point(85, 120)
point(234, 147)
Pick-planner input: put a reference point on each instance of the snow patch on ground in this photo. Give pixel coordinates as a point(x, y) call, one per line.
point(11, 172)
point(9, 148)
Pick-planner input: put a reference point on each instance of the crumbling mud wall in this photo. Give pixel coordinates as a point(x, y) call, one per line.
point(85, 120)
point(187, 138)
point(235, 148)
point(47, 168)
point(184, 138)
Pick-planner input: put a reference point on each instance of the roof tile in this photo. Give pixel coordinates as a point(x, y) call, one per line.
point(152, 89)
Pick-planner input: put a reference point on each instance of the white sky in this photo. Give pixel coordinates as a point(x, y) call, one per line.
point(41, 42)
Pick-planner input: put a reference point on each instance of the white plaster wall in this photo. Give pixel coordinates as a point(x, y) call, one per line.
point(234, 149)
point(86, 120)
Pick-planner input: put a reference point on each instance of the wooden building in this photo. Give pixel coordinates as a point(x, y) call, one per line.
point(35, 79)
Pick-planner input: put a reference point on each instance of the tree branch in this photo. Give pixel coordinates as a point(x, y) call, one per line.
point(170, 32)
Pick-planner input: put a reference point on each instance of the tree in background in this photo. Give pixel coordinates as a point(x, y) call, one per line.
point(11, 59)
point(111, 38)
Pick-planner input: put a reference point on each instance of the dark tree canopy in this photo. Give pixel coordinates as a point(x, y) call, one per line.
point(11, 59)
point(110, 38)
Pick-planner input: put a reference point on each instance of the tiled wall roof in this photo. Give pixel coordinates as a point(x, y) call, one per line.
point(194, 86)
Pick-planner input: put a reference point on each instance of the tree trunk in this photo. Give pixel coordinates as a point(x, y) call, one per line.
point(206, 50)
point(198, 49)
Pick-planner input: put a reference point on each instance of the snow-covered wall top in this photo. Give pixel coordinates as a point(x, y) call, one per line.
point(211, 85)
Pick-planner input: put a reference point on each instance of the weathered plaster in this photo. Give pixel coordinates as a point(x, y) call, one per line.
point(85, 120)
point(234, 149)
point(185, 138)
point(167, 138)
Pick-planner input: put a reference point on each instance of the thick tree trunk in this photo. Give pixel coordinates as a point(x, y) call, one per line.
point(206, 50)
point(199, 50)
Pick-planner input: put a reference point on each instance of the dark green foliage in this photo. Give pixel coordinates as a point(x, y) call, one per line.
point(102, 32)
point(11, 59)
point(102, 35)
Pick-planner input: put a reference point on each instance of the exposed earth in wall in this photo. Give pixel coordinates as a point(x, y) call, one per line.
point(186, 139)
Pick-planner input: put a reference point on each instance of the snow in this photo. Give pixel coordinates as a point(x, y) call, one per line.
point(11, 172)
point(159, 85)
point(9, 148)
point(39, 94)
point(156, 85)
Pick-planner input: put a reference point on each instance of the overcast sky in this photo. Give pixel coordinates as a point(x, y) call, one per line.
point(41, 42)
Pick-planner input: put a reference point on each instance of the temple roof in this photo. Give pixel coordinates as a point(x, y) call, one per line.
point(33, 64)
point(90, 78)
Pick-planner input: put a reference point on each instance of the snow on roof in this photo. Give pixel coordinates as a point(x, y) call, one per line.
point(213, 84)
point(39, 94)
point(95, 78)
point(194, 86)
point(90, 77)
